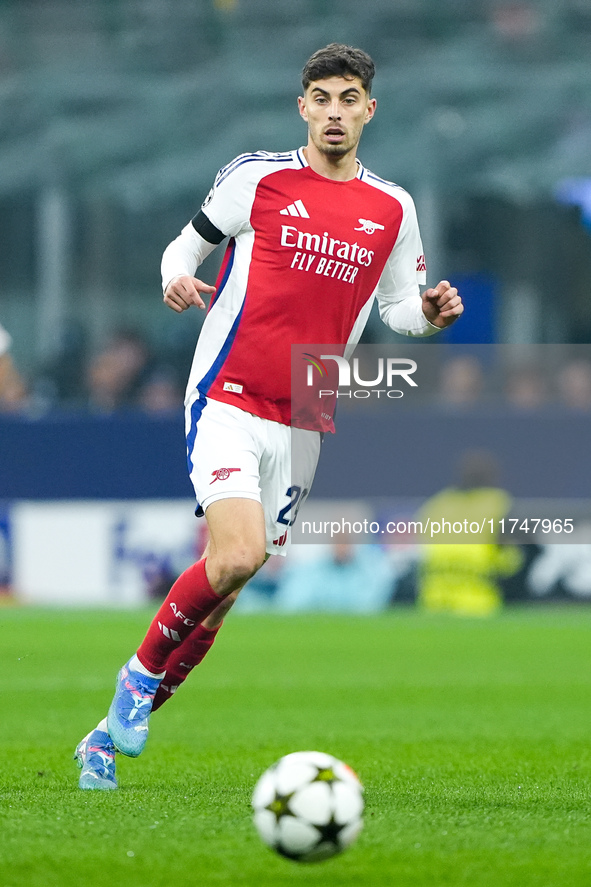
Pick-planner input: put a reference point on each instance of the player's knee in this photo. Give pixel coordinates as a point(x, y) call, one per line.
point(238, 566)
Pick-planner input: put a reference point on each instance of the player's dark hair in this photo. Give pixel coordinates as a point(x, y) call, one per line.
point(339, 60)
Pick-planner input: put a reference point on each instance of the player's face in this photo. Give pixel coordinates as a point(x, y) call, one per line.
point(336, 110)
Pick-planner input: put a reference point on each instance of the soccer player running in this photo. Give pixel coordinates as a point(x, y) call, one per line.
point(314, 239)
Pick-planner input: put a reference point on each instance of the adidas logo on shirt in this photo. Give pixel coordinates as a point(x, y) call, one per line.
point(296, 208)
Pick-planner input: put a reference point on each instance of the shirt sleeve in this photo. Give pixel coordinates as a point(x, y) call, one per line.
point(398, 293)
point(225, 212)
point(229, 203)
point(184, 255)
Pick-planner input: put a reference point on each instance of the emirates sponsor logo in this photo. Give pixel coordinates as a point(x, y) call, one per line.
point(322, 254)
point(325, 245)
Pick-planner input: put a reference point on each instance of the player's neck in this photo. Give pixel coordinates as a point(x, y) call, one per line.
point(341, 169)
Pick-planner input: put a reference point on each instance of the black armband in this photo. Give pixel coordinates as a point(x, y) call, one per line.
point(207, 229)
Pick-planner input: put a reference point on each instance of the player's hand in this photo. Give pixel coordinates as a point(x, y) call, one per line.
point(184, 291)
point(442, 305)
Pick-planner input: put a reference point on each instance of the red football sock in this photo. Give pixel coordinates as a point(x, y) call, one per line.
point(190, 600)
point(183, 660)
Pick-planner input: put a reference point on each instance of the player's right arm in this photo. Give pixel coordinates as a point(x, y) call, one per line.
point(180, 260)
point(184, 291)
point(225, 212)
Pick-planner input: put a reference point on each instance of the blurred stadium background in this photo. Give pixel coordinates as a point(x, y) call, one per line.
point(115, 116)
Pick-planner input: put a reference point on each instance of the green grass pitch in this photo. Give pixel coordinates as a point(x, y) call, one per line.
point(472, 740)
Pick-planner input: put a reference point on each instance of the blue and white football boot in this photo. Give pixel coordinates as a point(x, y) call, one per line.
point(129, 714)
point(95, 755)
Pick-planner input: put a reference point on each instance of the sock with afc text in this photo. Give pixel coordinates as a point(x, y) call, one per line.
point(190, 600)
point(183, 660)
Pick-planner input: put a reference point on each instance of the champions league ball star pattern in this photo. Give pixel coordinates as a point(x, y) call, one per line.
point(308, 806)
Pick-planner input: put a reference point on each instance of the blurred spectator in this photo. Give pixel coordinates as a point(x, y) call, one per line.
point(115, 375)
point(160, 393)
point(574, 385)
point(353, 578)
point(516, 22)
point(61, 379)
point(462, 576)
point(461, 381)
point(525, 388)
point(12, 388)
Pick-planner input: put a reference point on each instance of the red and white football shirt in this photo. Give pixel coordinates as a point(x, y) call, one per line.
point(307, 256)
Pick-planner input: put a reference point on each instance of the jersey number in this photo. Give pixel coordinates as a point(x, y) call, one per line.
point(297, 497)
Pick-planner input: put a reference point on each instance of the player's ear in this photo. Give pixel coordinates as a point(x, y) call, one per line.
point(302, 108)
point(371, 109)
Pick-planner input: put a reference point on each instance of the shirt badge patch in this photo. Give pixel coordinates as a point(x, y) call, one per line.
point(222, 474)
point(234, 387)
point(369, 227)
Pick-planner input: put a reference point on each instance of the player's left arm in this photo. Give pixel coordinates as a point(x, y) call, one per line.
point(442, 304)
point(401, 305)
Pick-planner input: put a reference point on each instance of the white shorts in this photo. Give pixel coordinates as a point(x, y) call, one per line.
point(234, 454)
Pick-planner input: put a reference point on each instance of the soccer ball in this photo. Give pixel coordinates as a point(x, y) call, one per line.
point(308, 806)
